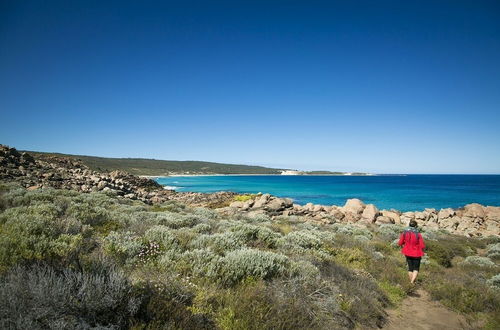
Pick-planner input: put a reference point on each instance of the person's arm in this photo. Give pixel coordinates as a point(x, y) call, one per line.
point(401, 239)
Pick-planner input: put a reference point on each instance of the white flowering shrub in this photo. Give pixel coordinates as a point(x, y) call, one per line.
point(477, 261)
point(149, 252)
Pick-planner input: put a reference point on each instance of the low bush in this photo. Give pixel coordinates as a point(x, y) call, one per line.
point(494, 281)
point(42, 297)
point(123, 246)
point(35, 233)
point(465, 295)
point(477, 261)
point(445, 249)
point(240, 264)
point(255, 236)
point(389, 231)
point(219, 243)
point(493, 250)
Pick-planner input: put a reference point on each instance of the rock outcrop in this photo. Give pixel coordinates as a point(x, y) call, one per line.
point(472, 220)
point(64, 173)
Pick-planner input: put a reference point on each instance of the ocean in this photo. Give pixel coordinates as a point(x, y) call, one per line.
point(401, 192)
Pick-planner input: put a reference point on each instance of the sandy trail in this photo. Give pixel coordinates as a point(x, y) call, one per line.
point(418, 311)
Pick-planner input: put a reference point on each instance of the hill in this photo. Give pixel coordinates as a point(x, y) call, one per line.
point(155, 167)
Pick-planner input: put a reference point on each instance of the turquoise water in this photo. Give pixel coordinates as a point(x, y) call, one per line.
point(405, 193)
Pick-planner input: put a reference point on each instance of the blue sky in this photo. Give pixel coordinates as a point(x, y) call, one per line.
point(379, 86)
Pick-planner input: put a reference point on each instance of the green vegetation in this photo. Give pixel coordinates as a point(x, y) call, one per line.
point(244, 198)
point(155, 167)
point(73, 260)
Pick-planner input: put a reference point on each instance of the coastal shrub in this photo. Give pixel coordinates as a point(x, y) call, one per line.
point(361, 238)
point(389, 231)
point(477, 261)
point(464, 295)
point(87, 214)
point(489, 240)
point(255, 235)
point(279, 304)
point(124, 246)
point(166, 304)
point(360, 298)
point(197, 262)
point(35, 233)
point(494, 281)
point(176, 220)
point(351, 230)
point(445, 249)
point(394, 243)
point(23, 197)
point(351, 257)
point(163, 236)
point(239, 264)
point(42, 297)
point(220, 243)
point(260, 218)
point(169, 206)
point(301, 240)
point(202, 228)
point(493, 250)
point(205, 213)
point(395, 293)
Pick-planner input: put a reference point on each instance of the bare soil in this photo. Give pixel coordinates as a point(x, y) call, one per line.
point(418, 311)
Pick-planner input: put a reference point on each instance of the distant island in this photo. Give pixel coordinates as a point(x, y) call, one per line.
point(155, 167)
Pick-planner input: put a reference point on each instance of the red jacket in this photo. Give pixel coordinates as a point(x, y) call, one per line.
point(412, 247)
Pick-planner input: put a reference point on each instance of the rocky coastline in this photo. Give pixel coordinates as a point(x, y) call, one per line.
point(44, 171)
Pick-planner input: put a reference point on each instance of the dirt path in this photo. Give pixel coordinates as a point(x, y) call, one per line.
point(418, 311)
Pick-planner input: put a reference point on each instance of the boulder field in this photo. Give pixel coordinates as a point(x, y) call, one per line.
point(471, 220)
point(44, 171)
point(49, 171)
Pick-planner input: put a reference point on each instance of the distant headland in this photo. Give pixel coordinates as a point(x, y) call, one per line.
point(156, 168)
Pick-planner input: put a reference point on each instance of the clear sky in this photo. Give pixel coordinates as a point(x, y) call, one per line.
point(379, 86)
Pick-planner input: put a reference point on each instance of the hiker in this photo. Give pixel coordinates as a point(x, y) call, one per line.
point(413, 248)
